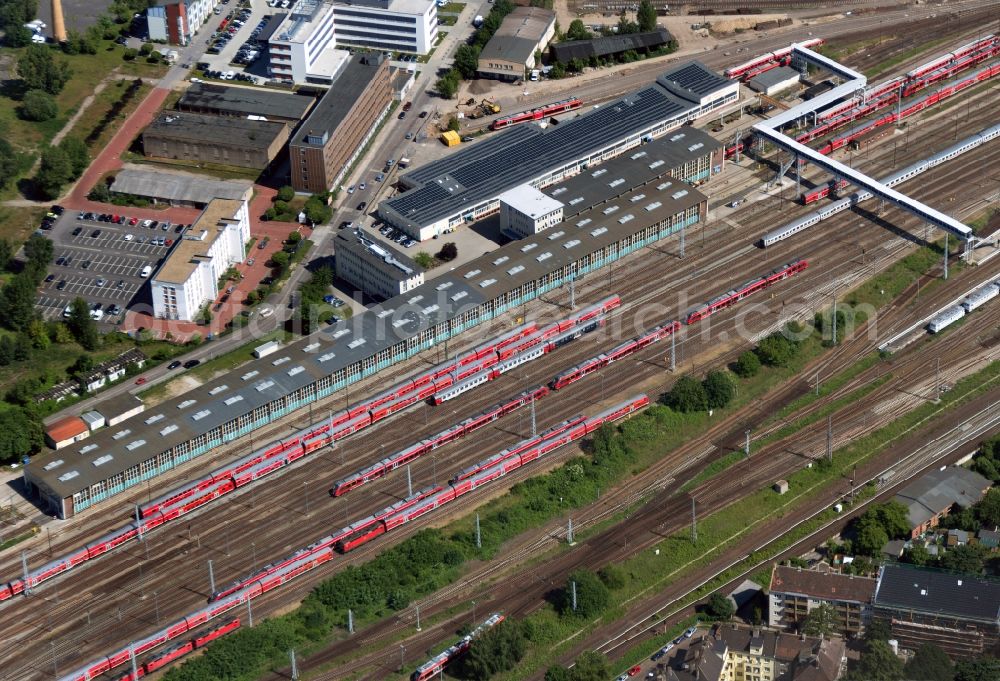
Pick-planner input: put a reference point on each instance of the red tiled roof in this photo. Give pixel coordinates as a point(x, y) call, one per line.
point(66, 428)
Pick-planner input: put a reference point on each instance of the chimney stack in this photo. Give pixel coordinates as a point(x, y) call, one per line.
point(58, 22)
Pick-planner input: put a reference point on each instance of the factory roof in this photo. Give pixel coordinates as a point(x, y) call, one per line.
point(488, 168)
point(939, 490)
point(773, 77)
point(611, 44)
point(488, 277)
point(197, 241)
point(334, 106)
point(527, 200)
point(202, 128)
point(388, 260)
point(653, 161)
point(178, 186)
point(245, 101)
point(519, 35)
point(925, 590)
point(692, 81)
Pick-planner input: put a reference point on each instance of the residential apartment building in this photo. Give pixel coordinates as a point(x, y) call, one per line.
point(188, 278)
point(374, 268)
point(960, 613)
point(396, 25)
point(176, 22)
point(738, 653)
point(795, 592)
point(525, 210)
point(511, 50)
point(341, 123)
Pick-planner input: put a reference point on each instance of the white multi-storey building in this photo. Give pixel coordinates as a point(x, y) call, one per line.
point(396, 25)
point(302, 50)
point(525, 210)
point(190, 274)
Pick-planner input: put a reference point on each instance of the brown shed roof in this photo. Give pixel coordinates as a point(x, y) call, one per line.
point(66, 428)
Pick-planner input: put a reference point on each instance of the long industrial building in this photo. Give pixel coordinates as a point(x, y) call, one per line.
point(466, 186)
point(642, 209)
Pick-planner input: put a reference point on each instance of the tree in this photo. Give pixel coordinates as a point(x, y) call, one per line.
point(424, 259)
point(558, 71)
point(966, 558)
point(41, 71)
point(17, 302)
point(448, 252)
point(294, 237)
point(453, 124)
point(747, 365)
point(877, 630)
point(146, 49)
point(591, 666)
point(720, 607)
point(916, 555)
point(467, 60)
point(776, 350)
point(81, 325)
point(821, 621)
point(719, 389)
point(38, 254)
point(17, 36)
point(317, 212)
point(280, 260)
point(495, 650)
point(983, 668)
point(286, 193)
point(871, 539)
point(22, 347)
point(592, 597)
point(38, 334)
point(10, 162)
point(6, 251)
point(38, 105)
point(894, 518)
point(626, 26)
point(54, 172)
point(130, 54)
point(877, 663)
point(578, 31)
point(77, 153)
point(930, 663)
point(20, 435)
point(687, 396)
point(23, 392)
point(988, 508)
point(646, 16)
point(79, 43)
point(447, 85)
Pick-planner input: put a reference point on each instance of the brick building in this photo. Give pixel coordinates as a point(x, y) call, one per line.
point(933, 496)
point(340, 124)
point(214, 139)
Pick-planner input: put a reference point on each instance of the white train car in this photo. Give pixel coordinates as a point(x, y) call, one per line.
point(946, 318)
point(980, 297)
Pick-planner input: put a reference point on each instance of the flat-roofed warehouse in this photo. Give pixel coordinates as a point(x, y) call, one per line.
point(225, 100)
point(511, 50)
point(214, 139)
point(220, 411)
point(465, 186)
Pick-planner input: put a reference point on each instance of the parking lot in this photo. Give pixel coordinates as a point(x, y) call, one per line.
point(225, 43)
point(102, 262)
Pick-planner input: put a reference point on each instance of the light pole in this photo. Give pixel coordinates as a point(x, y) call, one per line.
point(473, 613)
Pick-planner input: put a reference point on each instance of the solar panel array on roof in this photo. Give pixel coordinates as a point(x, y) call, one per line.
point(692, 81)
point(479, 176)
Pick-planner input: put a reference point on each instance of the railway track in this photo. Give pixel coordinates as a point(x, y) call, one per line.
point(173, 577)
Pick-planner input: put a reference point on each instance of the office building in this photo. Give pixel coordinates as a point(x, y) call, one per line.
point(524, 211)
point(176, 22)
point(375, 268)
point(340, 125)
point(392, 25)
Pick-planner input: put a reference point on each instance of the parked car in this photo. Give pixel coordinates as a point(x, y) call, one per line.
point(76, 232)
point(61, 285)
point(49, 279)
point(96, 233)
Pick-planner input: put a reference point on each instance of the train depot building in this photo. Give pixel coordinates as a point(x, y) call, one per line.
point(466, 186)
point(595, 236)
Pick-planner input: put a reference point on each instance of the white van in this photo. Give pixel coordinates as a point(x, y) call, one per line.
point(146, 271)
point(97, 315)
point(534, 74)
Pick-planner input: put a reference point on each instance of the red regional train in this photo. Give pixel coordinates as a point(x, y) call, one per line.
point(537, 114)
point(737, 294)
point(199, 641)
point(436, 664)
point(627, 348)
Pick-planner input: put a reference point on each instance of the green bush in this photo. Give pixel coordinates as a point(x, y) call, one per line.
point(38, 105)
